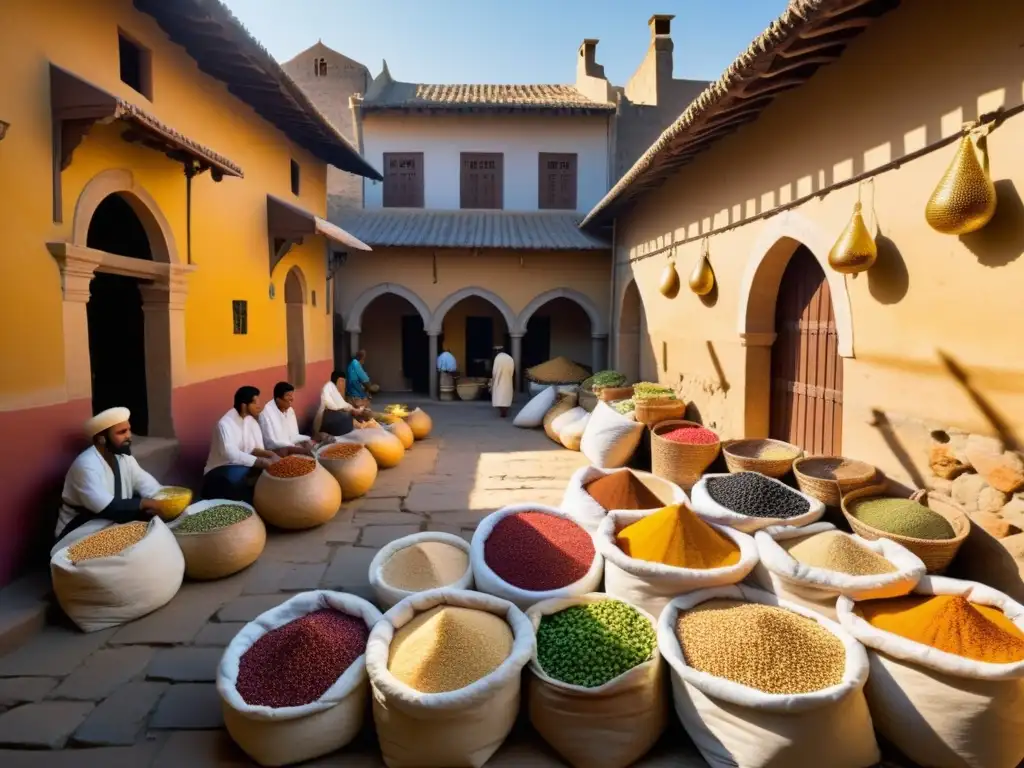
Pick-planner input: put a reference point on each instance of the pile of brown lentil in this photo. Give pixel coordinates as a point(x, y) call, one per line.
point(340, 451)
point(425, 565)
point(292, 466)
point(213, 518)
point(108, 542)
point(448, 648)
point(761, 646)
point(837, 551)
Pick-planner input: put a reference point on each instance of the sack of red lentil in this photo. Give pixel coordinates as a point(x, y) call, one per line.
point(610, 438)
point(750, 501)
point(947, 672)
point(526, 553)
point(417, 563)
point(651, 585)
point(644, 492)
point(117, 574)
point(446, 668)
point(813, 565)
point(293, 681)
point(759, 682)
point(597, 690)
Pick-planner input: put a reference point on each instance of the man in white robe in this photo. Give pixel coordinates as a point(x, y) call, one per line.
point(237, 453)
point(279, 425)
point(502, 381)
point(105, 485)
point(335, 414)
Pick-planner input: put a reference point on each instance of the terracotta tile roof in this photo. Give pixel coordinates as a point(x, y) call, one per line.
point(483, 97)
point(416, 228)
point(225, 50)
point(808, 35)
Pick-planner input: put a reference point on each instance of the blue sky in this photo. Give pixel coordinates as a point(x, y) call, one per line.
point(526, 41)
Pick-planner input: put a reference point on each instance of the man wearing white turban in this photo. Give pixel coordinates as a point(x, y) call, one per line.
point(105, 484)
point(502, 381)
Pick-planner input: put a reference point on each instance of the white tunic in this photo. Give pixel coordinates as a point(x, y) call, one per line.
point(280, 430)
point(502, 387)
point(233, 442)
point(90, 484)
point(330, 400)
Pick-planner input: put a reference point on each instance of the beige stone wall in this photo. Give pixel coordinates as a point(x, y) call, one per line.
point(345, 78)
point(931, 334)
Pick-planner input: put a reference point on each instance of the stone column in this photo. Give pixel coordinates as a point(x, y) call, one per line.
point(517, 353)
point(76, 277)
point(353, 345)
point(163, 306)
point(598, 352)
point(433, 364)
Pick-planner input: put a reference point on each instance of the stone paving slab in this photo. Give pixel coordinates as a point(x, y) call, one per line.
point(179, 621)
point(185, 665)
point(138, 756)
point(249, 607)
point(120, 719)
point(54, 652)
point(189, 706)
point(45, 725)
point(23, 690)
point(269, 577)
point(103, 673)
point(218, 633)
point(376, 536)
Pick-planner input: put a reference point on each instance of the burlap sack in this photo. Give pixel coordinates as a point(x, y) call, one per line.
point(818, 589)
point(714, 512)
point(458, 729)
point(572, 435)
point(106, 592)
point(610, 726)
point(287, 735)
point(651, 586)
point(735, 726)
point(388, 595)
point(564, 404)
point(584, 508)
point(610, 438)
point(942, 710)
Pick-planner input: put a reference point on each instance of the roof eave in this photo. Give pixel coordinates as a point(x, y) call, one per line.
point(428, 109)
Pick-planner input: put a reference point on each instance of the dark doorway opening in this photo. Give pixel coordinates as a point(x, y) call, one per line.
point(117, 331)
point(537, 341)
point(415, 353)
point(479, 346)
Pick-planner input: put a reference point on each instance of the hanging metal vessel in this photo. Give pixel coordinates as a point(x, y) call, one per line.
point(965, 199)
point(669, 286)
point(702, 278)
point(855, 250)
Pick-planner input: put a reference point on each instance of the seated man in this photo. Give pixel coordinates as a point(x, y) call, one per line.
point(334, 418)
point(105, 484)
point(358, 385)
point(237, 454)
point(279, 425)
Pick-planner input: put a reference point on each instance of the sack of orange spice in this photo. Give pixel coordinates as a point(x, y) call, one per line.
point(947, 672)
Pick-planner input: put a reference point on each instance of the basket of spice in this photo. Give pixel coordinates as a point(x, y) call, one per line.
point(592, 388)
point(171, 501)
point(930, 525)
point(682, 450)
point(219, 538)
point(655, 403)
point(773, 458)
point(296, 493)
point(829, 478)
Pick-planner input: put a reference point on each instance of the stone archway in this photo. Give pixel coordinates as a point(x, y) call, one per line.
point(629, 333)
point(355, 313)
point(437, 319)
point(766, 264)
point(295, 324)
point(163, 288)
point(566, 302)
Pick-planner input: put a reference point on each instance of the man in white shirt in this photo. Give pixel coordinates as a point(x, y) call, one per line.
point(237, 453)
point(105, 485)
point(279, 424)
point(335, 416)
point(502, 381)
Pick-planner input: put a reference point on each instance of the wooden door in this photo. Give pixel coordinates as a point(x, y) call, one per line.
point(807, 372)
point(415, 353)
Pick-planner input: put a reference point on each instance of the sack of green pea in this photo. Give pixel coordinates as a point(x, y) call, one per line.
point(596, 692)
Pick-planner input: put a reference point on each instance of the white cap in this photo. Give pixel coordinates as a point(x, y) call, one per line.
point(105, 420)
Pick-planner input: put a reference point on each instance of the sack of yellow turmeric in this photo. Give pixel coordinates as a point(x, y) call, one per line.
point(651, 558)
point(947, 672)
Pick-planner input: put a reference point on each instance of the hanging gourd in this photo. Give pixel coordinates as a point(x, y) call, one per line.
point(855, 250)
point(702, 278)
point(669, 286)
point(965, 199)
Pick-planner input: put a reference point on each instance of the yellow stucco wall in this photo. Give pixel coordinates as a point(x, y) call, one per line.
point(229, 240)
point(911, 79)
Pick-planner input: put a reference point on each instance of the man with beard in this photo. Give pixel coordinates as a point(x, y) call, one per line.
point(105, 484)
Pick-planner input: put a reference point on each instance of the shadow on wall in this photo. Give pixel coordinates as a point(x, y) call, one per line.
point(889, 278)
point(881, 422)
point(1001, 242)
point(995, 420)
point(723, 382)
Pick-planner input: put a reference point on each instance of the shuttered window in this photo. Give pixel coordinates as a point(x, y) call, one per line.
point(482, 180)
point(403, 179)
point(557, 181)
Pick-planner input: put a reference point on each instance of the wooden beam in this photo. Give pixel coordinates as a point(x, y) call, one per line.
point(789, 66)
point(858, 23)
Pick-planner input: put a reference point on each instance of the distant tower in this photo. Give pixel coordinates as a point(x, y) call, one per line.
point(330, 79)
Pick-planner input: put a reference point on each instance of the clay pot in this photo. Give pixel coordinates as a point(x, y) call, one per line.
point(420, 423)
point(355, 474)
point(402, 431)
point(295, 503)
point(219, 553)
point(386, 449)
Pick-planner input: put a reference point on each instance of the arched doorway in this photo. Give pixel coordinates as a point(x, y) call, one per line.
point(631, 320)
point(116, 323)
point(559, 328)
point(295, 309)
point(470, 329)
point(806, 369)
point(396, 344)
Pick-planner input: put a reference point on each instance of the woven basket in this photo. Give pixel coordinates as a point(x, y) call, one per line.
point(741, 456)
point(610, 394)
point(654, 411)
point(829, 478)
point(587, 400)
point(936, 554)
point(680, 463)
point(468, 390)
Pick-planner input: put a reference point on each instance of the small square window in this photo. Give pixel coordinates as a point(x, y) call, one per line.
point(313, 294)
point(240, 313)
point(295, 178)
point(136, 65)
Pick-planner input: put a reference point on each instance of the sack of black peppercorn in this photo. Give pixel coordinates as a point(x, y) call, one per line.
point(750, 501)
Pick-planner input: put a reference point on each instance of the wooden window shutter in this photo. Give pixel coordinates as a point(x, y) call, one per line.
point(482, 180)
point(403, 179)
point(557, 181)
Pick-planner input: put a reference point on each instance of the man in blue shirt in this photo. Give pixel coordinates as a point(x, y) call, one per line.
point(356, 379)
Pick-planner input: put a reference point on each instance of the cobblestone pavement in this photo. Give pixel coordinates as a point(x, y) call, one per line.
point(143, 694)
